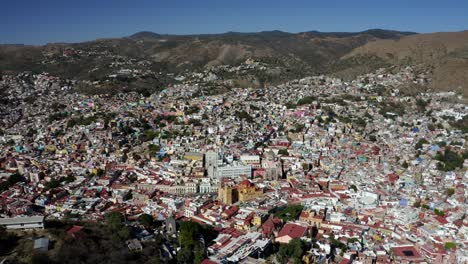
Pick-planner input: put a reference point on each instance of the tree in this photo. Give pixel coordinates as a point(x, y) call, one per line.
point(199, 254)
point(188, 231)
point(450, 191)
point(450, 245)
point(185, 255)
point(439, 212)
point(283, 152)
point(146, 220)
point(12, 180)
point(293, 250)
point(124, 233)
point(420, 143)
point(306, 100)
point(290, 213)
point(115, 220)
point(405, 164)
point(314, 232)
point(421, 104)
point(449, 160)
point(40, 258)
point(353, 187)
point(442, 144)
point(52, 184)
point(244, 115)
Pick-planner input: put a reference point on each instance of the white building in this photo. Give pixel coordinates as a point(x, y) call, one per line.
point(253, 160)
point(235, 170)
point(25, 222)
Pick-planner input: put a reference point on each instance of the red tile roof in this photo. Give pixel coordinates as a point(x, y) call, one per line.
point(292, 230)
point(441, 219)
point(406, 252)
point(74, 230)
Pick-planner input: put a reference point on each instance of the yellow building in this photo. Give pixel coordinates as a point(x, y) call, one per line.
point(193, 156)
point(225, 194)
point(247, 191)
point(243, 192)
point(257, 220)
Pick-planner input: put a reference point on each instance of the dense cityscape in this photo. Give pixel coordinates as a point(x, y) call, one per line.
point(313, 170)
point(225, 132)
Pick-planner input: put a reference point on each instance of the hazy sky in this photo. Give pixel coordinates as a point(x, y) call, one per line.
point(43, 21)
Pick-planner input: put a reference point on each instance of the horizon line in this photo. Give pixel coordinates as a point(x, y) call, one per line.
point(223, 33)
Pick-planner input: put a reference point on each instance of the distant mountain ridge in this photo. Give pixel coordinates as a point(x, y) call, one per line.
point(290, 55)
point(379, 33)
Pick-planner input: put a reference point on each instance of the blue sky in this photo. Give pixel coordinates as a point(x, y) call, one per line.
point(44, 21)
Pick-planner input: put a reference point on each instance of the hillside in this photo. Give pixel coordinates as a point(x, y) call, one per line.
point(289, 55)
point(446, 53)
point(308, 52)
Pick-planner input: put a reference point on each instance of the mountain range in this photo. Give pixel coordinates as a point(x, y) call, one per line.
point(342, 54)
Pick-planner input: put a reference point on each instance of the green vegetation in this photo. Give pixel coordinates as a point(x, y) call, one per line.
point(58, 116)
point(405, 164)
point(335, 100)
point(450, 245)
point(7, 241)
point(449, 160)
point(360, 122)
point(439, 212)
point(146, 220)
point(450, 191)
point(352, 240)
point(153, 149)
point(456, 143)
point(396, 108)
point(56, 182)
point(149, 135)
point(298, 128)
point(290, 213)
point(244, 115)
point(283, 152)
point(96, 243)
point(422, 104)
point(345, 119)
point(195, 122)
point(420, 143)
point(190, 236)
point(350, 97)
point(336, 244)
point(55, 106)
point(115, 224)
point(461, 124)
point(82, 121)
point(306, 100)
point(168, 119)
point(12, 180)
point(353, 187)
point(290, 105)
point(293, 250)
point(191, 110)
